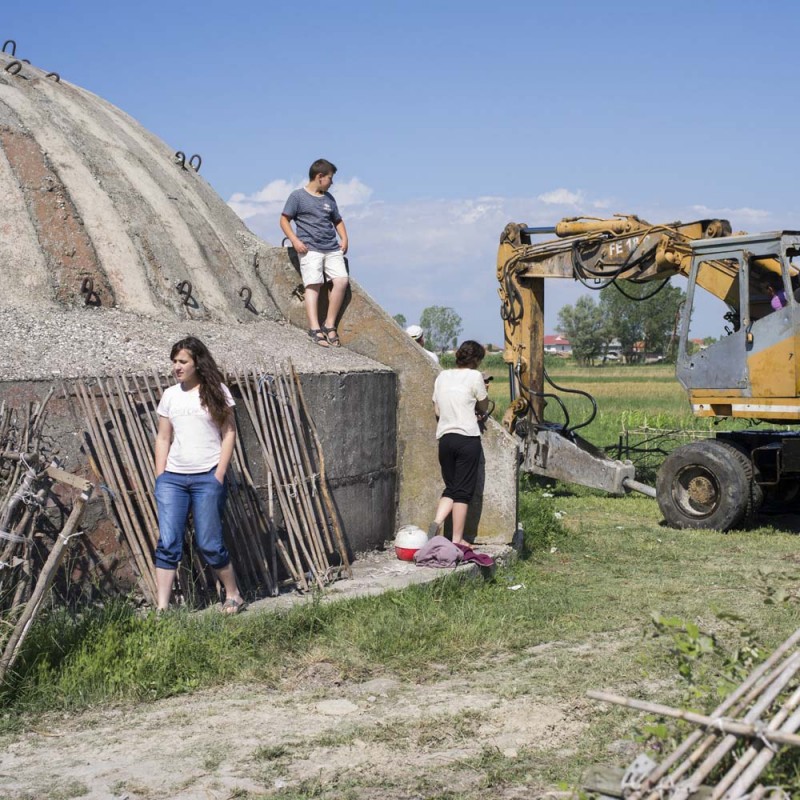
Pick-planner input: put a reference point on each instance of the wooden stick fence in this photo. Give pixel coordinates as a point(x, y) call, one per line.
point(763, 711)
point(120, 427)
point(43, 584)
point(25, 489)
point(293, 457)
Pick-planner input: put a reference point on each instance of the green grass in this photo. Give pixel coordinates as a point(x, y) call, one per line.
point(612, 554)
point(628, 397)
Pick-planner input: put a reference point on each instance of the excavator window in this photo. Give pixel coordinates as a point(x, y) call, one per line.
point(711, 318)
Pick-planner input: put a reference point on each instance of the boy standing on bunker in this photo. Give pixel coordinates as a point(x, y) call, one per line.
point(318, 221)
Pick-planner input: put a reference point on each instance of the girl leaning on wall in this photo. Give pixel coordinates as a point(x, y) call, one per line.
point(194, 445)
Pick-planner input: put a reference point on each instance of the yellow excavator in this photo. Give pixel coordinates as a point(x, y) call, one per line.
point(751, 372)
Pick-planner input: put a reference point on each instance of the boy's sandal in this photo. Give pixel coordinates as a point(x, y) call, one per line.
point(233, 606)
point(332, 336)
point(318, 337)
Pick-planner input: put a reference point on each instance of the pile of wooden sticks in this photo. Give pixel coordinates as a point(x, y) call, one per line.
point(763, 713)
point(305, 536)
point(29, 565)
point(23, 493)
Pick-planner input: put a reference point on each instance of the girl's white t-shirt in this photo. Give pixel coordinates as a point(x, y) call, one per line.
point(196, 438)
point(455, 392)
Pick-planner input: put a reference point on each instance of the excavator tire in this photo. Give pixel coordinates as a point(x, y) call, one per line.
point(756, 493)
point(705, 485)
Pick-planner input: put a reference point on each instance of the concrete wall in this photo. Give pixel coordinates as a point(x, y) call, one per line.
point(367, 329)
point(355, 418)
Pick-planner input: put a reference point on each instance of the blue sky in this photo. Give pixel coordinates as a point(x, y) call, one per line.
point(449, 119)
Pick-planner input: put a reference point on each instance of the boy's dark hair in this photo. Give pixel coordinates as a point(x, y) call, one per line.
point(470, 354)
point(321, 167)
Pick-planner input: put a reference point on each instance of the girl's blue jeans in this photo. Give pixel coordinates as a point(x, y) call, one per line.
point(201, 492)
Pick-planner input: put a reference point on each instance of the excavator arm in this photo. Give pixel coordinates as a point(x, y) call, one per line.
point(597, 252)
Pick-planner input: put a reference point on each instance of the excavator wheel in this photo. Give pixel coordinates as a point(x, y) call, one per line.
point(706, 484)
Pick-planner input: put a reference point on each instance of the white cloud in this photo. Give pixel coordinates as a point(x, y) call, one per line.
point(746, 216)
point(562, 197)
point(352, 193)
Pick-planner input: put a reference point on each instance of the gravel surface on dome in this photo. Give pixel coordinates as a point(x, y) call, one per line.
point(98, 341)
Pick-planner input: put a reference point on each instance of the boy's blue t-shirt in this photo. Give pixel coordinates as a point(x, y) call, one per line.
point(315, 218)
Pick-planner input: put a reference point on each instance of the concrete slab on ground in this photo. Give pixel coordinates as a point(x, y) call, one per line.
point(379, 571)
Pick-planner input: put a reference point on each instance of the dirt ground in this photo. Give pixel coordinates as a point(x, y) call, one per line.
point(314, 736)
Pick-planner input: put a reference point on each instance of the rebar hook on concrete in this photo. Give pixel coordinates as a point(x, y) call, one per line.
point(90, 296)
point(180, 157)
point(195, 167)
point(10, 67)
point(185, 288)
point(247, 293)
point(54, 75)
point(13, 46)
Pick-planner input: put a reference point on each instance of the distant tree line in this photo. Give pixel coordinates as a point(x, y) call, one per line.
point(643, 322)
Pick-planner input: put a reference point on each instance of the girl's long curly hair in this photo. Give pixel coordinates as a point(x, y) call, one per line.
point(212, 398)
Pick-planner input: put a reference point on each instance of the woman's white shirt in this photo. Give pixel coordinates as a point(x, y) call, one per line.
point(455, 393)
point(196, 438)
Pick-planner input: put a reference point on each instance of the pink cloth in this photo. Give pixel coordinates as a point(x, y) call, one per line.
point(438, 552)
point(470, 555)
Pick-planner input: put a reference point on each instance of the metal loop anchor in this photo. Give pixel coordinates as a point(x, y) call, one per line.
point(13, 46)
point(91, 298)
point(195, 167)
point(180, 157)
point(10, 67)
point(255, 260)
point(185, 288)
point(247, 293)
point(54, 75)
point(25, 61)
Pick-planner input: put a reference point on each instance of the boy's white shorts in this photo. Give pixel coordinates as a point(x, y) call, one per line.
point(316, 267)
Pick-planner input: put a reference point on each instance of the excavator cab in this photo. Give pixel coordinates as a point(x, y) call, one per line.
point(752, 372)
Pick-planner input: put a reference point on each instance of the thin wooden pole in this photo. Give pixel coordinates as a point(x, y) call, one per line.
point(290, 560)
point(722, 724)
point(294, 526)
point(295, 478)
point(46, 578)
point(102, 448)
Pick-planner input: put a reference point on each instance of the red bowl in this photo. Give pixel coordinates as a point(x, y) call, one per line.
point(405, 553)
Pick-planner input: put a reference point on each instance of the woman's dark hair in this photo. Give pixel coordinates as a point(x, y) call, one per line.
point(470, 354)
point(321, 167)
point(212, 398)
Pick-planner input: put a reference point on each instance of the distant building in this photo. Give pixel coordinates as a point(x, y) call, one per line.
point(555, 344)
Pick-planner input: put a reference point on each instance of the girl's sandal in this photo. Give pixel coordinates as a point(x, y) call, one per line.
point(232, 606)
point(331, 335)
point(318, 337)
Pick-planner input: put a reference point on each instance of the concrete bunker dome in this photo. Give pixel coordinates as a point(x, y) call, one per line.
point(112, 249)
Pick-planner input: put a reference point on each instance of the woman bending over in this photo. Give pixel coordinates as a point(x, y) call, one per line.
point(457, 395)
